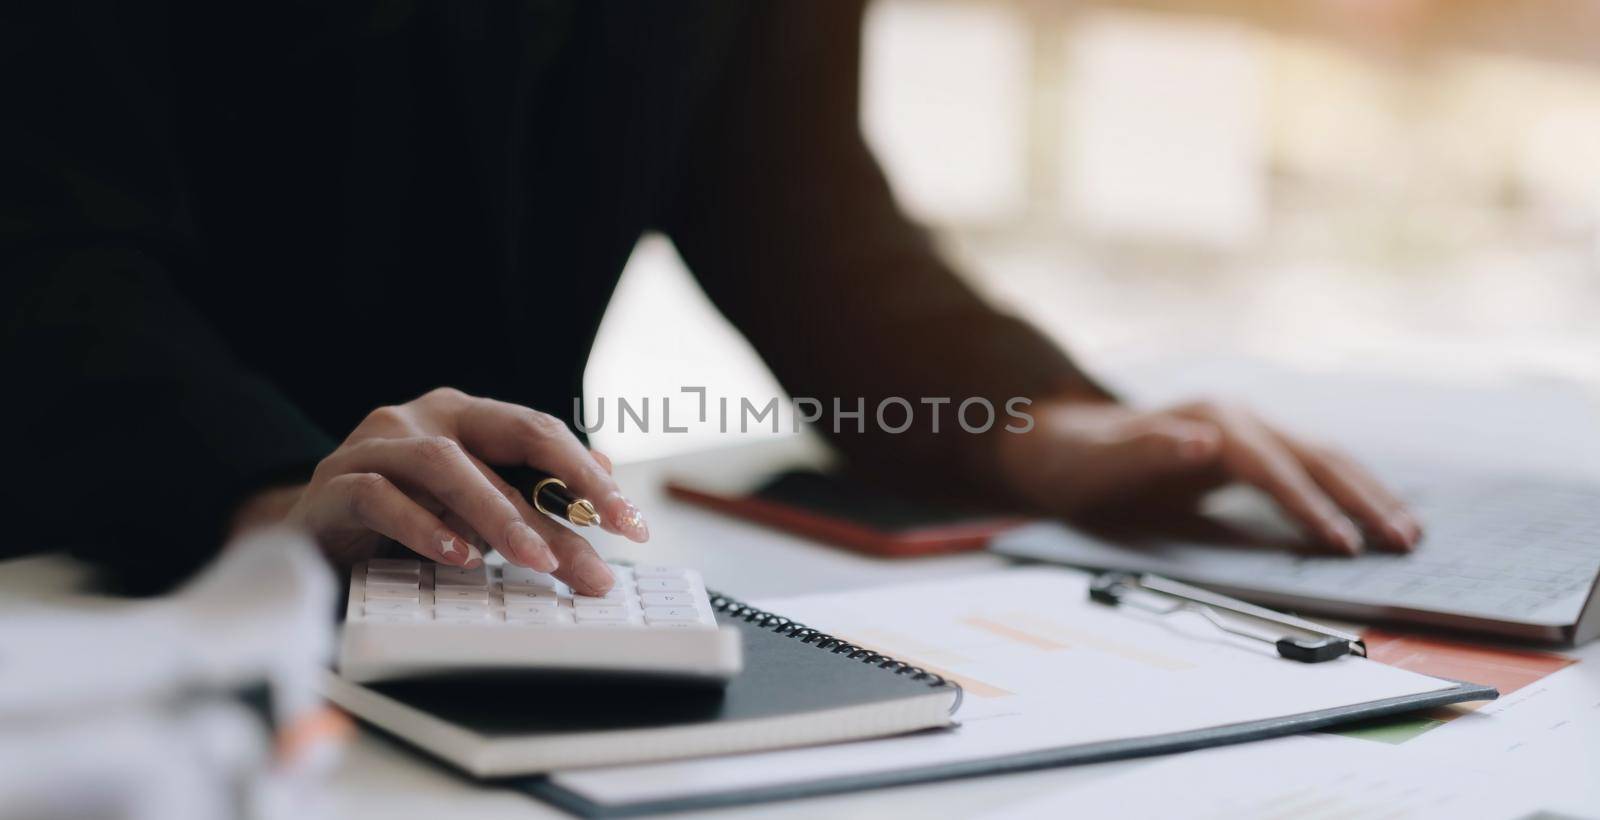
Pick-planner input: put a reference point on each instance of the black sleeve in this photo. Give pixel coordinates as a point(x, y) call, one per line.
point(789, 224)
point(136, 430)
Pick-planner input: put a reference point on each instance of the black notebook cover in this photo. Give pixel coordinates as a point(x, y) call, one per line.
point(783, 675)
point(789, 671)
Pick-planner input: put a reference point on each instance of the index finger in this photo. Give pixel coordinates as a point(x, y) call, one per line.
point(502, 432)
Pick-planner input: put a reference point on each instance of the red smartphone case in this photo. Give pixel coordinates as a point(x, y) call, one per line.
point(902, 543)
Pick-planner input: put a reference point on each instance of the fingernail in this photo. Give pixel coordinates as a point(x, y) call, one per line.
point(595, 575)
point(1190, 449)
point(631, 522)
point(531, 548)
point(474, 557)
point(1400, 531)
point(450, 550)
point(1345, 535)
point(1414, 526)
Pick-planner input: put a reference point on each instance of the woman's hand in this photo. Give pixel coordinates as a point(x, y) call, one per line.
point(1092, 456)
point(417, 473)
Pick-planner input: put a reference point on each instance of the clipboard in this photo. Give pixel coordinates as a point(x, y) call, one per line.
point(567, 790)
point(1294, 638)
point(574, 803)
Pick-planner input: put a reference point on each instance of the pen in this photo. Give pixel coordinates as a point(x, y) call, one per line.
point(551, 497)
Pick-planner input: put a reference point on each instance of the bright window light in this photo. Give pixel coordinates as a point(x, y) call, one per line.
point(945, 93)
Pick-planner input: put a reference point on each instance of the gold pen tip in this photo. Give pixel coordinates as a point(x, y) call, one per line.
point(583, 513)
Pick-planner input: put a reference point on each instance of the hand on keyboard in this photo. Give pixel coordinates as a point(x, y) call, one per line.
point(1088, 456)
point(417, 473)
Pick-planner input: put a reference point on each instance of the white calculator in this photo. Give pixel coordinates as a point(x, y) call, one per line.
point(410, 619)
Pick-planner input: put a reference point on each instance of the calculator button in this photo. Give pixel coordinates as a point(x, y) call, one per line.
point(461, 594)
point(519, 588)
point(671, 613)
point(658, 571)
point(461, 576)
point(395, 565)
point(663, 585)
point(392, 592)
point(615, 597)
point(553, 587)
point(666, 599)
point(601, 613)
point(536, 596)
point(457, 584)
point(399, 583)
point(379, 606)
point(460, 610)
point(380, 572)
point(677, 625)
point(605, 624)
point(384, 577)
point(537, 615)
point(527, 577)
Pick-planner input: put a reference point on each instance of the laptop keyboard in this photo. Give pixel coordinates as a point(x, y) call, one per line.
point(1501, 549)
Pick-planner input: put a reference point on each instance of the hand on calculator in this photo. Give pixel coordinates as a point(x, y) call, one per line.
point(418, 473)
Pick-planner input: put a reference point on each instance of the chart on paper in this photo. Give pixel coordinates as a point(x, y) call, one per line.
point(1508, 670)
point(968, 639)
point(1043, 668)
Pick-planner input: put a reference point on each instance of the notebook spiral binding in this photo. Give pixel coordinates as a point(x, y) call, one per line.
point(783, 626)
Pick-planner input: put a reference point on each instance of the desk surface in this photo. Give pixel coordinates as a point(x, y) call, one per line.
point(382, 780)
point(1545, 738)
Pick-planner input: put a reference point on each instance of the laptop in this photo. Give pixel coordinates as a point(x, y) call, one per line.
point(1513, 557)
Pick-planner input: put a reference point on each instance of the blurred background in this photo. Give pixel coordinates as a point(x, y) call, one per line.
point(1405, 187)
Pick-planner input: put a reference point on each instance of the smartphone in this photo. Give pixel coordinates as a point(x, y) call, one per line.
point(835, 509)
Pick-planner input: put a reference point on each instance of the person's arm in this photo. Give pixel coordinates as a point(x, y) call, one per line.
point(787, 221)
point(136, 430)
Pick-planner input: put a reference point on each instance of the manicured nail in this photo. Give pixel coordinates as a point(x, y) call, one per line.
point(1344, 534)
point(595, 575)
point(631, 522)
point(531, 548)
point(449, 550)
point(474, 557)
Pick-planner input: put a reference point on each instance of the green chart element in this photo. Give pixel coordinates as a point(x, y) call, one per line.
point(1394, 731)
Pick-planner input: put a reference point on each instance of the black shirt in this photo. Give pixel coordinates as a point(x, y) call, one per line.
point(231, 231)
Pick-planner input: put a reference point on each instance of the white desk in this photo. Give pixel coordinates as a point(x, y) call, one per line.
point(380, 780)
point(1547, 735)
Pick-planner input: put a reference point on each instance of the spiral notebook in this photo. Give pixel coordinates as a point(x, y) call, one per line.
point(794, 691)
point(1048, 679)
